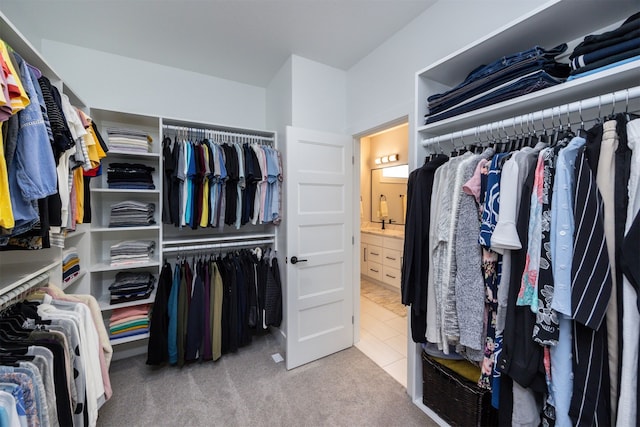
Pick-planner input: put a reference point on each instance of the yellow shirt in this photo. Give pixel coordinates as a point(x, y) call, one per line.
point(21, 102)
point(94, 150)
point(6, 211)
point(204, 219)
point(78, 186)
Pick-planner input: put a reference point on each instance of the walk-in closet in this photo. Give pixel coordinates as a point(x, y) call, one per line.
point(319, 213)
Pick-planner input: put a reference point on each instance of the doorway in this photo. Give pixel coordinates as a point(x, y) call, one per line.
point(383, 173)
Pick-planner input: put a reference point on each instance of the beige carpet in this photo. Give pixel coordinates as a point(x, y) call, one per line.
point(391, 300)
point(248, 388)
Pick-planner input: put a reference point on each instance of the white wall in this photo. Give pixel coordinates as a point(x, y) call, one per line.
point(319, 98)
point(380, 87)
point(279, 94)
point(109, 81)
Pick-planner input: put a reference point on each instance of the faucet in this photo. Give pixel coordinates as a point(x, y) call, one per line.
point(383, 223)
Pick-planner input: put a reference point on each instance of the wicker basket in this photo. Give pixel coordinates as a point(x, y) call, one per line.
point(455, 399)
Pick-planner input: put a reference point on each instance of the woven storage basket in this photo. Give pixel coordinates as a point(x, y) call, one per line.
point(455, 399)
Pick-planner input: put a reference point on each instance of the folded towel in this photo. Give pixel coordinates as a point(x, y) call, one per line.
point(384, 209)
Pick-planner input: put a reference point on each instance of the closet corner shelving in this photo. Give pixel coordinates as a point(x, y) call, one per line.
point(592, 16)
point(101, 272)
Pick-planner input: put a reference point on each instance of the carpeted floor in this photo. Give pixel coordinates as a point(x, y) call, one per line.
point(391, 300)
point(249, 389)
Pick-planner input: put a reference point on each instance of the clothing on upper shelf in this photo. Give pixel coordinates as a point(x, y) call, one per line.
point(131, 213)
point(598, 52)
point(211, 306)
point(544, 290)
point(210, 184)
point(506, 78)
point(45, 144)
point(53, 361)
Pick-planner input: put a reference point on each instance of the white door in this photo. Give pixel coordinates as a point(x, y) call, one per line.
point(319, 235)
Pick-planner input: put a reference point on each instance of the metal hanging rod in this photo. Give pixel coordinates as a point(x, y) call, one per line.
point(221, 239)
point(221, 245)
point(599, 102)
point(19, 292)
point(218, 133)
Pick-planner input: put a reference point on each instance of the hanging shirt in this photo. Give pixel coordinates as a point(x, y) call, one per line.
point(206, 193)
point(16, 90)
point(241, 184)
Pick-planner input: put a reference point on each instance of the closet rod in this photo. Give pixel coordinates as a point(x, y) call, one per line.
point(224, 245)
point(186, 242)
point(218, 132)
point(19, 291)
point(601, 101)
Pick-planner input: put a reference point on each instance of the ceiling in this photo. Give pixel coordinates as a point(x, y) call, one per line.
point(241, 40)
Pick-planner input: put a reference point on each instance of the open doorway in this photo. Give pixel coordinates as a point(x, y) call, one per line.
point(383, 189)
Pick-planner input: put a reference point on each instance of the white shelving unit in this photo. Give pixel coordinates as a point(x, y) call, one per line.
point(102, 273)
point(168, 237)
point(545, 27)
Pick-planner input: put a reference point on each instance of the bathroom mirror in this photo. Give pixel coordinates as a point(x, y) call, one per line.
point(389, 185)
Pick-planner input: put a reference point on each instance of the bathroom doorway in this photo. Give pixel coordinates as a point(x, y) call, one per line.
point(383, 189)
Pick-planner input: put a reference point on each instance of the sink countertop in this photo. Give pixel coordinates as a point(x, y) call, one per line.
point(398, 234)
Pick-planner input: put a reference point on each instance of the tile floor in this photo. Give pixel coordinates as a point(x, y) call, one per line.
point(383, 338)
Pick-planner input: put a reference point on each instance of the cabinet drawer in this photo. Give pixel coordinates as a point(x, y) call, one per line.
point(391, 258)
point(393, 243)
point(371, 239)
point(374, 253)
point(391, 276)
point(374, 270)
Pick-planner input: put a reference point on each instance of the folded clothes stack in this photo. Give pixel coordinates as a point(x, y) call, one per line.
point(70, 264)
point(131, 213)
point(599, 52)
point(505, 78)
point(130, 176)
point(129, 141)
point(129, 321)
point(131, 286)
point(132, 252)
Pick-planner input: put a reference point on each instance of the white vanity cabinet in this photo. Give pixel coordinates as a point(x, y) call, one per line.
point(381, 258)
point(392, 261)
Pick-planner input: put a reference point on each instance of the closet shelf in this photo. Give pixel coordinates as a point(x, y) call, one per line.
point(125, 229)
point(74, 235)
point(105, 305)
point(80, 275)
point(22, 273)
point(133, 155)
point(124, 191)
point(124, 340)
point(610, 80)
point(105, 266)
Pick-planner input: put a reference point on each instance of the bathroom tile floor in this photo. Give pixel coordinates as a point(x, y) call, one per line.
point(383, 329)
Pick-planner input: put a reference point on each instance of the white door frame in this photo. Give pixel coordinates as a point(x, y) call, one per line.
point(357, 145)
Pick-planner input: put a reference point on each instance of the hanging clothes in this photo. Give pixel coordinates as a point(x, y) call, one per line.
point(552, 233)
point(210, 306)
point(213, 184)
point(53, 357)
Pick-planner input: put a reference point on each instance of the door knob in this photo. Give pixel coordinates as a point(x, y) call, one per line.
point(295, 260)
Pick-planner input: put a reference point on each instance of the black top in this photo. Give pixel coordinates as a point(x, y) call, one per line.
point(415, 267)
